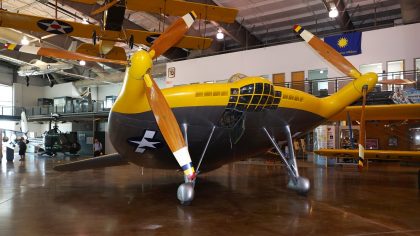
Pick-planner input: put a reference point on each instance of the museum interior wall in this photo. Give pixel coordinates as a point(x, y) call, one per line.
point(285, 58)
point(378, 46)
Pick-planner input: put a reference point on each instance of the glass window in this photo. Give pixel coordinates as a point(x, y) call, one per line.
point(395, 69)
point(6, 95)
point(374, 67)
point(319, 78)
point(6, 103)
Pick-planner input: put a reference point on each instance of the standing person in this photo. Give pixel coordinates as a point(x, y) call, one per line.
point(22, 149)
point(97, 148)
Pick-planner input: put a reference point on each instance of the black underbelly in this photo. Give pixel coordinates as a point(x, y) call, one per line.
point(244, 140)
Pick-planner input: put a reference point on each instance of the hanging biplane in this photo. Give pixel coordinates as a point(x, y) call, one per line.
point(111, 30)
point(376, 112)
point(221, 123)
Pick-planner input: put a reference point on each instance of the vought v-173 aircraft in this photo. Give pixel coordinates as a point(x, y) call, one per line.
point(205, 126)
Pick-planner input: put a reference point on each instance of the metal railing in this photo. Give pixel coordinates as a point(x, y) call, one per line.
point(10, 111)
point(70, 108)
point(327, 86)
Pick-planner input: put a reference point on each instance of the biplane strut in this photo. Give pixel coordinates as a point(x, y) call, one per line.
point(296, 182)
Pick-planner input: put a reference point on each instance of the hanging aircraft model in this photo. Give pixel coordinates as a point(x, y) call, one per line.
point(225, 122)
point(38, 67)
point(111, 31)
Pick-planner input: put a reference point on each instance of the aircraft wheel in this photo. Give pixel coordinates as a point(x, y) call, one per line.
point(302, 185)
point(185, 193)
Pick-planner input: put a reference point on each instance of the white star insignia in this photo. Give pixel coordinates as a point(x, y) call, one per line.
point(55, 26)
point(144, 142)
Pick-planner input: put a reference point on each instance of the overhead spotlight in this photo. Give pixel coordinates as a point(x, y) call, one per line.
point(220, 35)
point(333, 13)
point(82, 62)
point(85, 21)
point(24, 41)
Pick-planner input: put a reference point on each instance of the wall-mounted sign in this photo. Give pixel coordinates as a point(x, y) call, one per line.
point(171, 72)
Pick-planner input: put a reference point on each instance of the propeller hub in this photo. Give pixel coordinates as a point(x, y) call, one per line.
point(141, 63)
point(369, 79)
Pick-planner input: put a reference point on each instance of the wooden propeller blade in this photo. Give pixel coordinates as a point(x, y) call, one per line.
point(397, 81)
point(328, 53)
point(168, 126)
point(362, 131)
point(172, 35)
point(58, 53)
point(104, 7)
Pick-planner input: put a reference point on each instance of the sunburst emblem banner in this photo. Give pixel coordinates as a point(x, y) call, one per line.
point(347, 44)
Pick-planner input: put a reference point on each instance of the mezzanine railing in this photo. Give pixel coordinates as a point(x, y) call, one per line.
point(328, 86)
point(70, 108)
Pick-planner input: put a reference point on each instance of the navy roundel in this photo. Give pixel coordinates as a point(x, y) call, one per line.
point(55, 26)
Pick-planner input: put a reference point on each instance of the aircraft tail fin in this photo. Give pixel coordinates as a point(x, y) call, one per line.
point(92, 163)
point(23, 122)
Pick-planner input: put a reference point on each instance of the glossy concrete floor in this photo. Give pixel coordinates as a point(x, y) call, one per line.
point(238, 199)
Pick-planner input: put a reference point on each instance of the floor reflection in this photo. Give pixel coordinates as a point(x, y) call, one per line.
point(240, 198)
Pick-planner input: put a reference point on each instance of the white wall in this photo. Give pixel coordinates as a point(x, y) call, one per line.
point(26, 96)
point(61, 90)
point(6, 74)
point(401, 42)
point(108, 90)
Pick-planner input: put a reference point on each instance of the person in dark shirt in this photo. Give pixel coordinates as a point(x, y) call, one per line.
point(22, 149)
point(97, 148)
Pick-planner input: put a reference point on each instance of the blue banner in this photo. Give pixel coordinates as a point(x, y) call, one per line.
point(347, 44)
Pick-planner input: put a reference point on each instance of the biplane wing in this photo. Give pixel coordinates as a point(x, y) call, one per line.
point(179, 8)
point(381, 112)
point(370, 154)
point(53, 26)
point(46, 25)
point(147, 38)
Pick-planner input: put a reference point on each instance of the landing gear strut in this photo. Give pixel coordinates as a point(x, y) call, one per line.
point(186, 191)
point(300, 184)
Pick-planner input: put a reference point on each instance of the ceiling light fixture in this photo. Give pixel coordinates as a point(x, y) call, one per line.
point(333, 13)
point(82, 62)
point(24, 41)
point(220, 35)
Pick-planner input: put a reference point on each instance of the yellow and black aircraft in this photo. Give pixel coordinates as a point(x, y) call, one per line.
point(221, 123)
point(112, 31)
